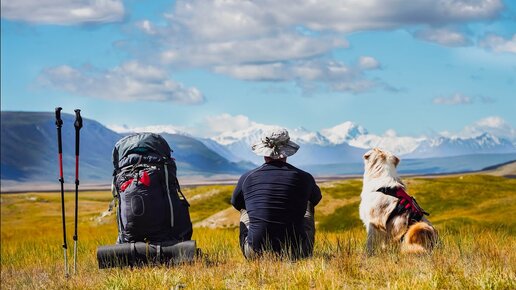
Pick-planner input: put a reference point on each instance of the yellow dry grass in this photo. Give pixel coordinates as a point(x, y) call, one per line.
point(474, 216)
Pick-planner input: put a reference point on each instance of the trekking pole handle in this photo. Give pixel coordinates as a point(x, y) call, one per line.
point(59, 122)
point(78, 119)
point(78, 125)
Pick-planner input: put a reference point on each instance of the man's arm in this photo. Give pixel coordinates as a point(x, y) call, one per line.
point(237, 199)
point(315, 195)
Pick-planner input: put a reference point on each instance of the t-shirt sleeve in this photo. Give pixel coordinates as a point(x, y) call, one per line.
point(315, 195)
point(237, 199)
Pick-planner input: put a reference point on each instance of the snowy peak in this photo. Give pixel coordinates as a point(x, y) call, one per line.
point(248, 136)
point(453, 146)
point(394, 144)
point(484, 140)
point(343, 132)
point(488, 140)
point(341, 140)
point(357, 137)
point(303, 136)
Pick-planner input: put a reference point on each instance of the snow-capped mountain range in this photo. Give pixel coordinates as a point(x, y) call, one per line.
point(345, 143)
point(29, 149)
point(444, 146)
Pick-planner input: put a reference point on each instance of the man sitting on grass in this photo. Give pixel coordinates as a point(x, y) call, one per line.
point(276, 202)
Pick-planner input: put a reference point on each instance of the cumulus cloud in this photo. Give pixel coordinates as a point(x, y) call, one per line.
point(443, 36)
point(146, 26)
point(129, 82)
point(272, 40)
point(170, 129)
point(226, 123)
point(460, 99)
point(456, 99)
point(284, 47)
point(368, 62)
point(493, 125)
point(224, 32)
point(335, 75)
point(390, 133)
point(497, 43)
point(209, 126)
point(63, 12)
point(240, 19)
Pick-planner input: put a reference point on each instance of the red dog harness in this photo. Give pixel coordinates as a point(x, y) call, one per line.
point(405, 203)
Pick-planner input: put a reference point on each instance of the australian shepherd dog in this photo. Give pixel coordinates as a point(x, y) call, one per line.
point(390, 215)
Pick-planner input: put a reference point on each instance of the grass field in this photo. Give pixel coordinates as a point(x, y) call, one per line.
point(474, 214)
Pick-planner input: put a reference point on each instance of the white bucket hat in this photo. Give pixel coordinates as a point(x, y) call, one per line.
point(275, 143)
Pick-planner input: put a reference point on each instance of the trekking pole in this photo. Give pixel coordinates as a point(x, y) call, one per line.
point(78, 126)
point(59, 123)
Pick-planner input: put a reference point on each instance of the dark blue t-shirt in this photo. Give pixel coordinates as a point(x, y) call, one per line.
point(275, 196)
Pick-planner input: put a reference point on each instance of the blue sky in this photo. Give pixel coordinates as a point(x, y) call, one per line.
point(416, 67)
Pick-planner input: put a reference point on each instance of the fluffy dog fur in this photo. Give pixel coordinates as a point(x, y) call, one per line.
point(375, 207)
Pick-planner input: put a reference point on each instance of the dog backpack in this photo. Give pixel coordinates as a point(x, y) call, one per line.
point(151, 206)
point(406, 203)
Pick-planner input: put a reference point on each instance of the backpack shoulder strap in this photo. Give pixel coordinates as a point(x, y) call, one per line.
point(116, 203)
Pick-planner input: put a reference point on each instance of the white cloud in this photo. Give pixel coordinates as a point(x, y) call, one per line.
point(499, 44)
point(255, 72)
point(147, 27)
point(63, 12)
point(284, 47)
point(234, 32)
point(443, 36)
point(224, 123)
point(460, 99)
point(493, 125)
point(390, 133)
point(170, 129)
point(241, 19)
point(129, 82)
point(274, 40)
point(335, 75)
point(368, 62)
point(456, 99)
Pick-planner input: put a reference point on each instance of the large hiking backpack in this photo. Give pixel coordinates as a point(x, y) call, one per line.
point(151, 206)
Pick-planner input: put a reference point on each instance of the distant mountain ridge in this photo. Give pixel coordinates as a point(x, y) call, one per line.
point(444, 146)
point(29, 147)
point(29, 150)
point(235, 145)
point(345, 143)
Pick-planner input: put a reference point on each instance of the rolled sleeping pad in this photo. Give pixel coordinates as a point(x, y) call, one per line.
point(140, 253)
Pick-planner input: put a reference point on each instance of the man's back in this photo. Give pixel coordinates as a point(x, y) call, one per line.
point(275, 196)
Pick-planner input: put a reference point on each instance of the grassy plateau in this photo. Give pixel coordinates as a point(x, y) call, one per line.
point(474, 214)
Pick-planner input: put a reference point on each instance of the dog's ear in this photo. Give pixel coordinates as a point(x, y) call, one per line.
point(396, 161)
point(368, 154)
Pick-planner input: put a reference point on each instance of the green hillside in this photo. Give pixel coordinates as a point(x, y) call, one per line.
point(474, 215)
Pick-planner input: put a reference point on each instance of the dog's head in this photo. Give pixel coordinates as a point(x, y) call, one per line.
point(378, 162)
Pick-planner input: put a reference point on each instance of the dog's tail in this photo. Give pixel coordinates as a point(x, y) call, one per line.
point(419, 239)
